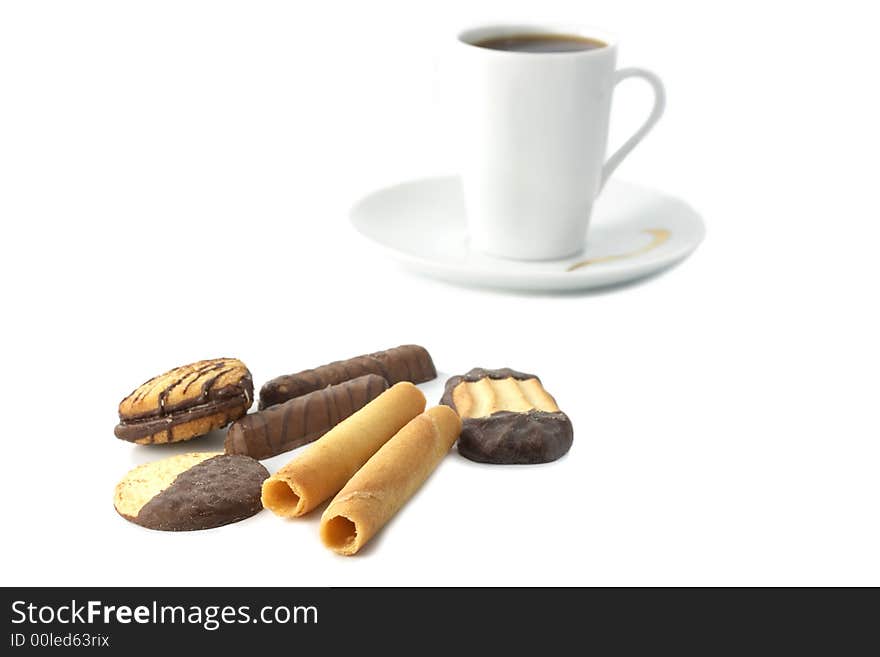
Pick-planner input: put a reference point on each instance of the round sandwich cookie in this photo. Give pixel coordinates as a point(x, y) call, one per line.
point(191, 491)
point(187, 402)
point(507, 417)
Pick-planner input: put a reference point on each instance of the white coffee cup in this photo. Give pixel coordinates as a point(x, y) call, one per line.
point(534, 129)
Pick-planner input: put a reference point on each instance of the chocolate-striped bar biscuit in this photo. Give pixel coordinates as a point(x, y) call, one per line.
point(507, 417)
point(406, 363)
point(186, 402)
point(301, 420)
point(191, 491)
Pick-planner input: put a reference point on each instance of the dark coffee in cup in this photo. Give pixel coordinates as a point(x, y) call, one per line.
point(540, 43)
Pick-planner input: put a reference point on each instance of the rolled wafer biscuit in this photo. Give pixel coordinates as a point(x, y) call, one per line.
point(388, 480)
point(301, 420)
point(409, 362)
point(323, 469)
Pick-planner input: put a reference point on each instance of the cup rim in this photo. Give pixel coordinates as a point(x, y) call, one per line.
point(468, 36)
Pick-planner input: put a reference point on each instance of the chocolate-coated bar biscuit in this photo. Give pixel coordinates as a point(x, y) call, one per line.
point(191, 491)
point(301, 420)
point(507, 417)
point(405, 363)
point(186, 402)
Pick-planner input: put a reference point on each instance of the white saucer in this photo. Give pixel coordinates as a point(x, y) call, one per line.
point(635, 232)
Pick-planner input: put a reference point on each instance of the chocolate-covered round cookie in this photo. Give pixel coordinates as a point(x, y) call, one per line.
point(191, 491)
point(186, 402)
point(507, 417)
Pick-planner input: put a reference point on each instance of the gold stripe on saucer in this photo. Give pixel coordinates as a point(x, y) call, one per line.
point(658, 237)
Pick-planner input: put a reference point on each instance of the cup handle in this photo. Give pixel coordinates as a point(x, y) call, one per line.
point(659, 105)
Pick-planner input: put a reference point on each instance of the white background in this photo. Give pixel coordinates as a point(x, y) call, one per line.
point(174, 180)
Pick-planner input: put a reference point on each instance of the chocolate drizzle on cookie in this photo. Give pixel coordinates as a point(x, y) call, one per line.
point(167, 408)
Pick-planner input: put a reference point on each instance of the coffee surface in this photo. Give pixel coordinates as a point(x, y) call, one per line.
point(540, 43)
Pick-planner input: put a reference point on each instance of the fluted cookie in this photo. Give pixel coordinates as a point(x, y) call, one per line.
point(301, 420)
point(507, 417)
point(409, 362)
point(187, 402)
point(191, 491)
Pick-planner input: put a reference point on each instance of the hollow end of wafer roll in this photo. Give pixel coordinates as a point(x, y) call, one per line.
point(282, 498)
point(340, 534)
point(388, 480)
point(323, 470)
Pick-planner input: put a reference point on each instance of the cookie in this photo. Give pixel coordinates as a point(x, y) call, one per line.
point(191, 491)
point(323, 469)
point(187, 402)
point(380, 488)
point(301, 420)
point(507, 417)
point(408, 362)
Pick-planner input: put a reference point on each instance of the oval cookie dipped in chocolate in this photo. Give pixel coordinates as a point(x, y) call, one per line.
point(187, 402)
point(507, 417)
point(191, 491)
